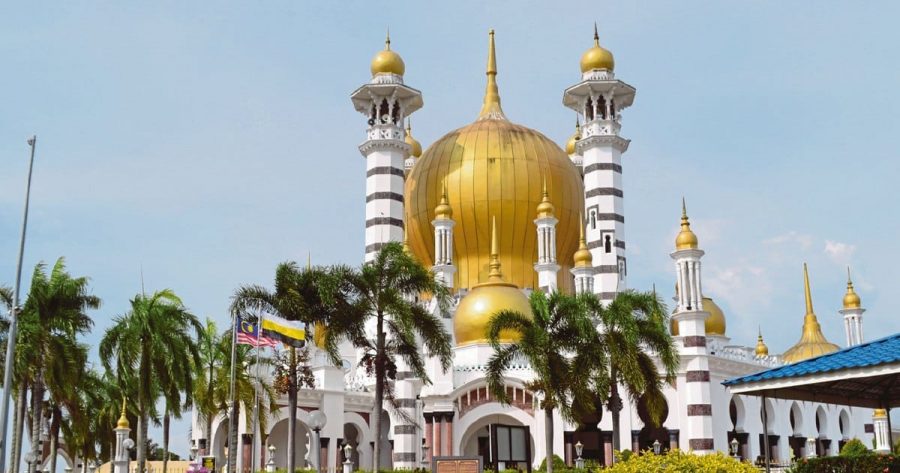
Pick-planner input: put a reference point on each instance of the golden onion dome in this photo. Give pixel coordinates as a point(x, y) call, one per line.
point(597, 57)
point(686, 238)
point(494, 167)
point(715, 323)
point(570, 145)
point(545, 208)
point(812, 341)
point(443, 209)
point(414, 145)
point(851, 298)
point(583, 257)
point(474, 312)
point(123, 419)
point(387, 61)
point(761, 348)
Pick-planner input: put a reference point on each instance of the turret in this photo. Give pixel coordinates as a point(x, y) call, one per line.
point(583, 269)
point(546, 266)
point(852, 311)
point(443, 223)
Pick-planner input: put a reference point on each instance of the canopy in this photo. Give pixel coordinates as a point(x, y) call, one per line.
point(863, 375)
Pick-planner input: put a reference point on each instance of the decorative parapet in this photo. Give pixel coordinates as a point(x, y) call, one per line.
point(743, 354)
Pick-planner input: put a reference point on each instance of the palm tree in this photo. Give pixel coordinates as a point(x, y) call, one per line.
point(634, 332)
point(53, 315)
point(67, 368)
point(384, 289)
point(211, 356)
point(312, 295)
point(558, 341)
point(152, 347)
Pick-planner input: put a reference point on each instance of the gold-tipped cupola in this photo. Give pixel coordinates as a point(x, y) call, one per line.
point(415, 148)
point(686, 238)
point(812, 341)
point(123, 419)
point(443, 209)
point(545, 208)
point(387, 61)
point(597, 57)
point(570, 145)
point(761, 348)
point(583, 257)
point(851, 298)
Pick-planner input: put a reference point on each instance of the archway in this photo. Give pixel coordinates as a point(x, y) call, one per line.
point(797, 440)
point(352, 437)
point(823, 443)
point(844, 427)
point(737, 414)
point(278, 437)
point(476, 437)
point(767, 419)
point(219, 441)
point(652, 432)
point(594, 441)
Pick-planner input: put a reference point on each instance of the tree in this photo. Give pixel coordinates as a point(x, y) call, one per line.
point(209, 346)
point(313, 296)
point(53, 316)
point(558, 341)
point(384, 291)
point(63, 404)
point(152, 348)
point(634, 332)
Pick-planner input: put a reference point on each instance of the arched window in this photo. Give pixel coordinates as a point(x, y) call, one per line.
point(593, 219)
point(607, 244)
point(589, 110)
point(603, 107)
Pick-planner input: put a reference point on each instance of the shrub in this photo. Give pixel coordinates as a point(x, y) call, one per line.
point(854, 448)
point(558, 464)
point(848, 464)
point(675, 460)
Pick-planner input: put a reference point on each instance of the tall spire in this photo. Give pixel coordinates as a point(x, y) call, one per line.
point(387, 38)
point(491, 106)
point(812, 340)
point(123, 419)
point(495, 274)
point(686, 238)
point(806, 292)
point(596, 36)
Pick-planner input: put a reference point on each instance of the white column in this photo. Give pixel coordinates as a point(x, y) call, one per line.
point(546, 266)
point(853, 325)
point(444, 269)
point(882, 436)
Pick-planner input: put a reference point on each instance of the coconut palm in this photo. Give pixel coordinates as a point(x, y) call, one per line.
point(558, 341)
point(384, 291)
point(635, 336)
point(152, 347)
point(63, 386)
point(53, 315)
point(209, 346)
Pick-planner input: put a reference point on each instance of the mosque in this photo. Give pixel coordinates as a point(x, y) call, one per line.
point(499, 210)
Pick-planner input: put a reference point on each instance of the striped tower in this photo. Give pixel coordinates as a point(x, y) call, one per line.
point(599, 98)
point(691, 320)
point(386, 102)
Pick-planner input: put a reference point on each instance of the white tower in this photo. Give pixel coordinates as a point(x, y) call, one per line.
point(123, 444)
point(691, 320)
point(600, 97)
point(572, 148)
point(852, 313)
point(386, 102)
point(546, 266)
point(443, 223)
point(583, 270)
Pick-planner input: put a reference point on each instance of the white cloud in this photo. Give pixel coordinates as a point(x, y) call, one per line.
point(838, 252)
point(792, 237)
point(745, 288)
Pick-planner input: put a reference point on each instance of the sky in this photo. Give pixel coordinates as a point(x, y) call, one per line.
point(198, 144)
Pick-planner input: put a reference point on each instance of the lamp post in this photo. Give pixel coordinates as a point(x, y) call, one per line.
point(92, 466)
point(811, 447)
point(13, 319)
point(317, 420)
point(270, 465)
point(734, 447)
point(348, 461)
point(656, 447)
point(579, 449)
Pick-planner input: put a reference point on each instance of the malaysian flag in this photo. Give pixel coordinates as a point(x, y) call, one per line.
point(248, 334)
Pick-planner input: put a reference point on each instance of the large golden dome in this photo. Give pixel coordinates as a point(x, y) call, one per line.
point(493, 167)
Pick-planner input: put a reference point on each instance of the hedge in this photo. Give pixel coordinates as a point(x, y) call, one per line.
point(845, 464)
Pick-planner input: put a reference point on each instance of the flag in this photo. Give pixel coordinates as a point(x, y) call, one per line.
point(285, 331)
point(248, 334)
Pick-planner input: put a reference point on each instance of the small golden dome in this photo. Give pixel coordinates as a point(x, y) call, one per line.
point(583, 257)
point(443, 209)
point(761, 348)
point(545, 208)
point(715, 323)
point(879, 413)
point(597, 57)
point(415, 147)
point(570, 145)
point(475, 310)
point(387, 61)
point(851, 298)
point(686, 239)
point(812, 341)
point(123, 419)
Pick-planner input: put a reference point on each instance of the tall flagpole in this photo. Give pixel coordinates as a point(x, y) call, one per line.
point(14, 318)
point(232, 418)
point(255, 426)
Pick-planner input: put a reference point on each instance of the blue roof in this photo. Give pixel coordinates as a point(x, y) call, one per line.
point(874, 353)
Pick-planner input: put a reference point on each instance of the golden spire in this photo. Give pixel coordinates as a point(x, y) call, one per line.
point(761, 348)
point(686, 238)
point(491, 107)
point(851, 298)
point(583, 257)
point(387, 37)
point(812, 341)
point(443, 209)
point(570, 145)
point(545, 208)
point(596, 36)
point(495, 274)
point(123, 419)
point(597, 57)
point(415, 148)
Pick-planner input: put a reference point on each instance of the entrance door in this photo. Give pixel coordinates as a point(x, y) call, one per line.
point(510, 447)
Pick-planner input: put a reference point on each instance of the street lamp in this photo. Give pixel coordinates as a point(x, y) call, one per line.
point(656, 447)
point(317, 420)
point(579, 449)
point(734, 447)
point(92, 466)
point(348, 455)
point(811, 447)
point(13, 319)
point(270, 465)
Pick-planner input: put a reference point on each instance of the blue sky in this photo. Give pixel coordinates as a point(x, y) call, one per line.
point(204, 142)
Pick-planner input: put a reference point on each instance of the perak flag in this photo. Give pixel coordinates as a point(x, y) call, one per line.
point(248, 334)
point(289, 332)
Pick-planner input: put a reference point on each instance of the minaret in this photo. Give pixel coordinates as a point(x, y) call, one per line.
point(415, 148)
point(691, 320)
point(852, 313)
point(123, 443)
point(600, 98)
point(546, 265)
point(386, 102)
point(583, 270)
point(572, 148)
point(443, 223)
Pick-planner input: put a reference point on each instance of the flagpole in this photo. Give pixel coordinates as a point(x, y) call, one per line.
point(256, 398)
point(232, 419)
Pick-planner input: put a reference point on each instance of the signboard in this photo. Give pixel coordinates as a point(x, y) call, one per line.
point(208, 463)
point(456, 465)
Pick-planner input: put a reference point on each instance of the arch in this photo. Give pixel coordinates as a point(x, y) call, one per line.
point(363, 449)
point(737, 413)
point(844, 424)
point(770, 416)
point(278, 436)
point(479, 418)
point(796, 419)
point(651, 432)
point(219, 440)
point(821, 422)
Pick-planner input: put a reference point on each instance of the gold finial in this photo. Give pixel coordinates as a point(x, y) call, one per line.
point(415, 148)
point(387, 40)
point(545, 208)
point(443, 209)
point(495, 274)
point(582, 257)
point(761, 348)
point(491, 106)
point(686, 238)
point(123, 419)
point(596, 36)
point(806, 291)
point(851, 298)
